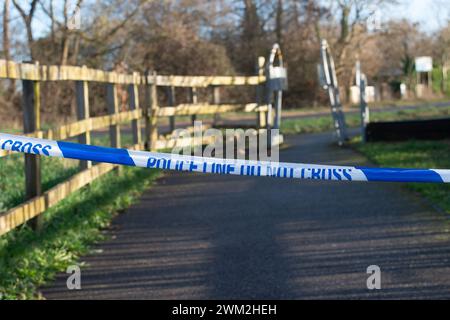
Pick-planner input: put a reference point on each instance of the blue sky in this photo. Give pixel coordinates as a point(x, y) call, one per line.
point(431, 14)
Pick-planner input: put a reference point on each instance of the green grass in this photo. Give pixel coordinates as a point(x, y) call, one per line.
point(12, 177)
point(400, 103)
point(29, 259)
point(414, 154)
point(324, 123)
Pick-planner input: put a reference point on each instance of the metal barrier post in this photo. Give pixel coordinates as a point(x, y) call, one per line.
point(331, 84)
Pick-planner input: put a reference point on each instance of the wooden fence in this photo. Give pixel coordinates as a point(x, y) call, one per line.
point(139, 113)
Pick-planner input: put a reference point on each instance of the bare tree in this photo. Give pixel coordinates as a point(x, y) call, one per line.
point(6, 43)
point(27, 17)
point(67, 33)
point(353, 33)
point(61, 34)
point(279, 23)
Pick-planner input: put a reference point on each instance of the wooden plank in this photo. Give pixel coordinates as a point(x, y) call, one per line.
point(27, 71)
point(205, 81)
point(113, 109)
point(82, 99)
point(172, 142)
point(79, 127)
point(34, 207)
point(9, 70)
point(31, 123)
point(124, 116)
point(133, 98)
point(4, 153)
point(215, 100)
point(147, 114)
point(151, 109)
point(205, 108)
point(190, 129)
point(261, 120)
point(235, 81)
point(193, 98)
point(182, 81)
point(171, 103)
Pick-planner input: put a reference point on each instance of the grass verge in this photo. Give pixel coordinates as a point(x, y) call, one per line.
point(414, 154)
point(29, 259)
point(324, 123)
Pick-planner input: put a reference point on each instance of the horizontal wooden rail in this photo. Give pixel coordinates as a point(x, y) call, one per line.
point(95, 123)
point(203, 81)
point(36, 72)
point(32, 208)
point(180, 142)
point(76, 128)
point(205, 108)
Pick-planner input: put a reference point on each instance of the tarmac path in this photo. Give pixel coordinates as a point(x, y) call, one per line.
point(196, 236)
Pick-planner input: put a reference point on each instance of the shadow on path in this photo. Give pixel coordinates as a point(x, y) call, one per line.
point(195, 236)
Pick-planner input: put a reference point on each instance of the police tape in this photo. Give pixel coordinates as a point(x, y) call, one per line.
point(177, 162)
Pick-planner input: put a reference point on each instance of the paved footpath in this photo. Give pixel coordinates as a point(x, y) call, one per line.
point(195, 236)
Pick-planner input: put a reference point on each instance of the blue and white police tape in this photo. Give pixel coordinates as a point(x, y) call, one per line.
point(215, 165)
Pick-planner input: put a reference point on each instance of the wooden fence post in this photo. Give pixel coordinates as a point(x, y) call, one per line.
point(171, 102)
point(113, 108)
point(147, 111)
point(260, 94)
point(193, 98)
point(216, 100)
point(82, 98)
point(133, 96)
point(31, 123)
point(151, 110)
